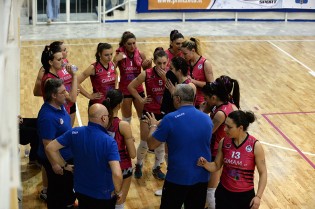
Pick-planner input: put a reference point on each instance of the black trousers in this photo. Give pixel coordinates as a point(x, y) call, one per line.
point(28, 134)
point(193, 196)
point(60, 188)
point(237, 200)
point(86, 202)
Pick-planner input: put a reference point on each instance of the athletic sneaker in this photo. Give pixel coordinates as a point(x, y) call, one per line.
point(158, 174)
point(138, 171)
point(43, 196)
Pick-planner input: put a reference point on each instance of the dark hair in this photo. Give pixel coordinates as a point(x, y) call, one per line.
point(126, 35)
point(51, 87)
point(113, 98)
point(100, 48)
point(159, 52)
point(193, 43)
point(241, 118)
point(232, 87)
point(180, 63)
point(48, 54)
point(222, 88)
point(174, 35)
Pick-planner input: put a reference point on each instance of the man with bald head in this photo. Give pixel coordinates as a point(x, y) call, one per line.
point(97, 176)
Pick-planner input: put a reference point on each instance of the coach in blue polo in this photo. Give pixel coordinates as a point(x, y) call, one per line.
point(187, 133)
point(97, 176)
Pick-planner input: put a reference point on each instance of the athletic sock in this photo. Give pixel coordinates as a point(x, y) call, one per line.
point(141, 151)
point(159, 155)
point(211, 198)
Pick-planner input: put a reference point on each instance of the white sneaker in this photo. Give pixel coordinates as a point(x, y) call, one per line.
point(48, 21)
point(158, 192)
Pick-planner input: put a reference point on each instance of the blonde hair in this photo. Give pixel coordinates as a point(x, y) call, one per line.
point(193, 43)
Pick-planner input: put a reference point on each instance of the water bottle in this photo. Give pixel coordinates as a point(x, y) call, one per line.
point(74, 68)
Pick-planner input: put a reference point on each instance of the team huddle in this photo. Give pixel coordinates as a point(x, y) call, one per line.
point(189, 119)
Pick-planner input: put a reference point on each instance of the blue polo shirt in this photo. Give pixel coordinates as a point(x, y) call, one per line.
point(187, 133)
point(92, 149)
point(51, 123)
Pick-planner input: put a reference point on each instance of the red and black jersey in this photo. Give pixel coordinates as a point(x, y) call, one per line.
point(130, 68)
point(239, 164)
point(197, 72)
point(155, 86)
point(103, 80)
point(125, 160)
point(220, 133)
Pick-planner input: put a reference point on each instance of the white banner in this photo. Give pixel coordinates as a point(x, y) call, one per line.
point(264, 4)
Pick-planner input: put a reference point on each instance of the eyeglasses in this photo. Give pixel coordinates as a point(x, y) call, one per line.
point(105, 115)
point(175, 95)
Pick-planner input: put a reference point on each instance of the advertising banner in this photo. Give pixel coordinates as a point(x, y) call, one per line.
point(229, 4)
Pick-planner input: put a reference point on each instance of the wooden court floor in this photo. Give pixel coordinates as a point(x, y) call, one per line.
point(277, 82)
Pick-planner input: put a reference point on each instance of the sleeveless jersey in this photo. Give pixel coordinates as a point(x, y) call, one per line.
point(67, 82)
point(103, 80)
point(220, 133)
point(197, 72)
point(125, 160)
point(154, 86)
point(129, 69)
point(46, 76)
point(239, 165)
point(170, 57)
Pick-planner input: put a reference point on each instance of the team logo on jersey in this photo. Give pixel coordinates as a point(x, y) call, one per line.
point(248, 148)
point(228, 146)
point(108, 74)
point(100, 70)
point(61, 121)
point(113, 67)
point(200, 66)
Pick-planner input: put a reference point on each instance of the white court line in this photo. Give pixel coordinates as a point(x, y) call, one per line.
point(298, 61)
point(280, 147)
point(162, 42)
point(77, 113)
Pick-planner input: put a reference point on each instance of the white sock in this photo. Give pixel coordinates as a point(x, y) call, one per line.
point(211, 198)
point(127, 119)
point(159, 155)
point(121, 206)
point(141, 151)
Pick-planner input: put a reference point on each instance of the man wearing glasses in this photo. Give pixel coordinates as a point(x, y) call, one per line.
point(97, 176)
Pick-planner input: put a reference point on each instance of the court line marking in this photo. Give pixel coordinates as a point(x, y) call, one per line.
point(288, 140)
point(158, 42)
point(292, 57)
point(285, 148)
